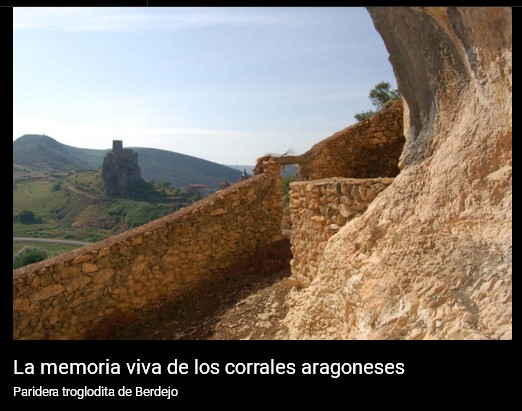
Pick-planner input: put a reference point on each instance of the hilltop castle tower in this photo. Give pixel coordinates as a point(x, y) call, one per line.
point(120, 170)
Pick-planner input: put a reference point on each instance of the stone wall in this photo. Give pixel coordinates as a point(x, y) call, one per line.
point(370, 148)
point(340, 176)
point(69, 296)
point(318, 210)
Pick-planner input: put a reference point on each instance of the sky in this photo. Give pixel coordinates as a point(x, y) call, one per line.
point(227, 85)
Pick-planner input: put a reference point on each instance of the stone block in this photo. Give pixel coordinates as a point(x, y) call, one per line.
point(103, 275)
point(82, 258)
point(48, 292)
point(89, 268)
point(76, 283)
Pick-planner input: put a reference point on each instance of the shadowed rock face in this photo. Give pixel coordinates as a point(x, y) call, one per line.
point(436, 54)
point(431, 258)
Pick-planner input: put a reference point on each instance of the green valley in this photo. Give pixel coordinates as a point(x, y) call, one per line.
point(58, 192)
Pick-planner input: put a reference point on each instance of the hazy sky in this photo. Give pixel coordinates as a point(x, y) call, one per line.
point(224, 84)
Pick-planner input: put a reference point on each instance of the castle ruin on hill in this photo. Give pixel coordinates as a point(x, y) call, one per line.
point(120, 170)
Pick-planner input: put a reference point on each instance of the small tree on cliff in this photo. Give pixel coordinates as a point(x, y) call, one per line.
point(382, 93)
point(379, 96)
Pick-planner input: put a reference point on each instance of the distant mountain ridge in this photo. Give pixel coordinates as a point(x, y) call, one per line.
point(44, 153)
point(249, 169)
point(287, 171)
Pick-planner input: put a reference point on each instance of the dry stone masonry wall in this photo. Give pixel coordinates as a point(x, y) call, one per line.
point(370, 148)
point(318, 210)
point(69, 296)
point(342, 175)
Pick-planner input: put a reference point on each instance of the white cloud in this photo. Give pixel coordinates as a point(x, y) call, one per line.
point(139, 19)
point(95, 136)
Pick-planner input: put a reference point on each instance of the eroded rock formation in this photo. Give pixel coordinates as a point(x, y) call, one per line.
point(431, 258)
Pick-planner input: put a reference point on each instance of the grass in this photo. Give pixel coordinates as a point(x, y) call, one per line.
point(89, 181)
point(33, 230)
point(74, 207)
point(51, 248)
point(137, 213)
point(88, 234)
point(37, 195)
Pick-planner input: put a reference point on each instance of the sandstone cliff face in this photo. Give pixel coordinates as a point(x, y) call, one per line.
point(431, 258)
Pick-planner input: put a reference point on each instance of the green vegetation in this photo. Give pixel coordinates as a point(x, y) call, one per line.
point(88, 181)
point(58, 191)
point(380, 95)
point(29, 255)
point(286, 192)
point(164, 185)
point(33, 230)
point(74, 207)
point(363, 115)
point(141, 190)
point(64, 232)
point(28, 217)
point(286, 185)
point(37, 195)
point(136, 213)
point(52, 249)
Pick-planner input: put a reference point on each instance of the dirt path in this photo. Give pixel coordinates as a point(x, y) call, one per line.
point(78, 191)
point(50, 240)
point(244, 302)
